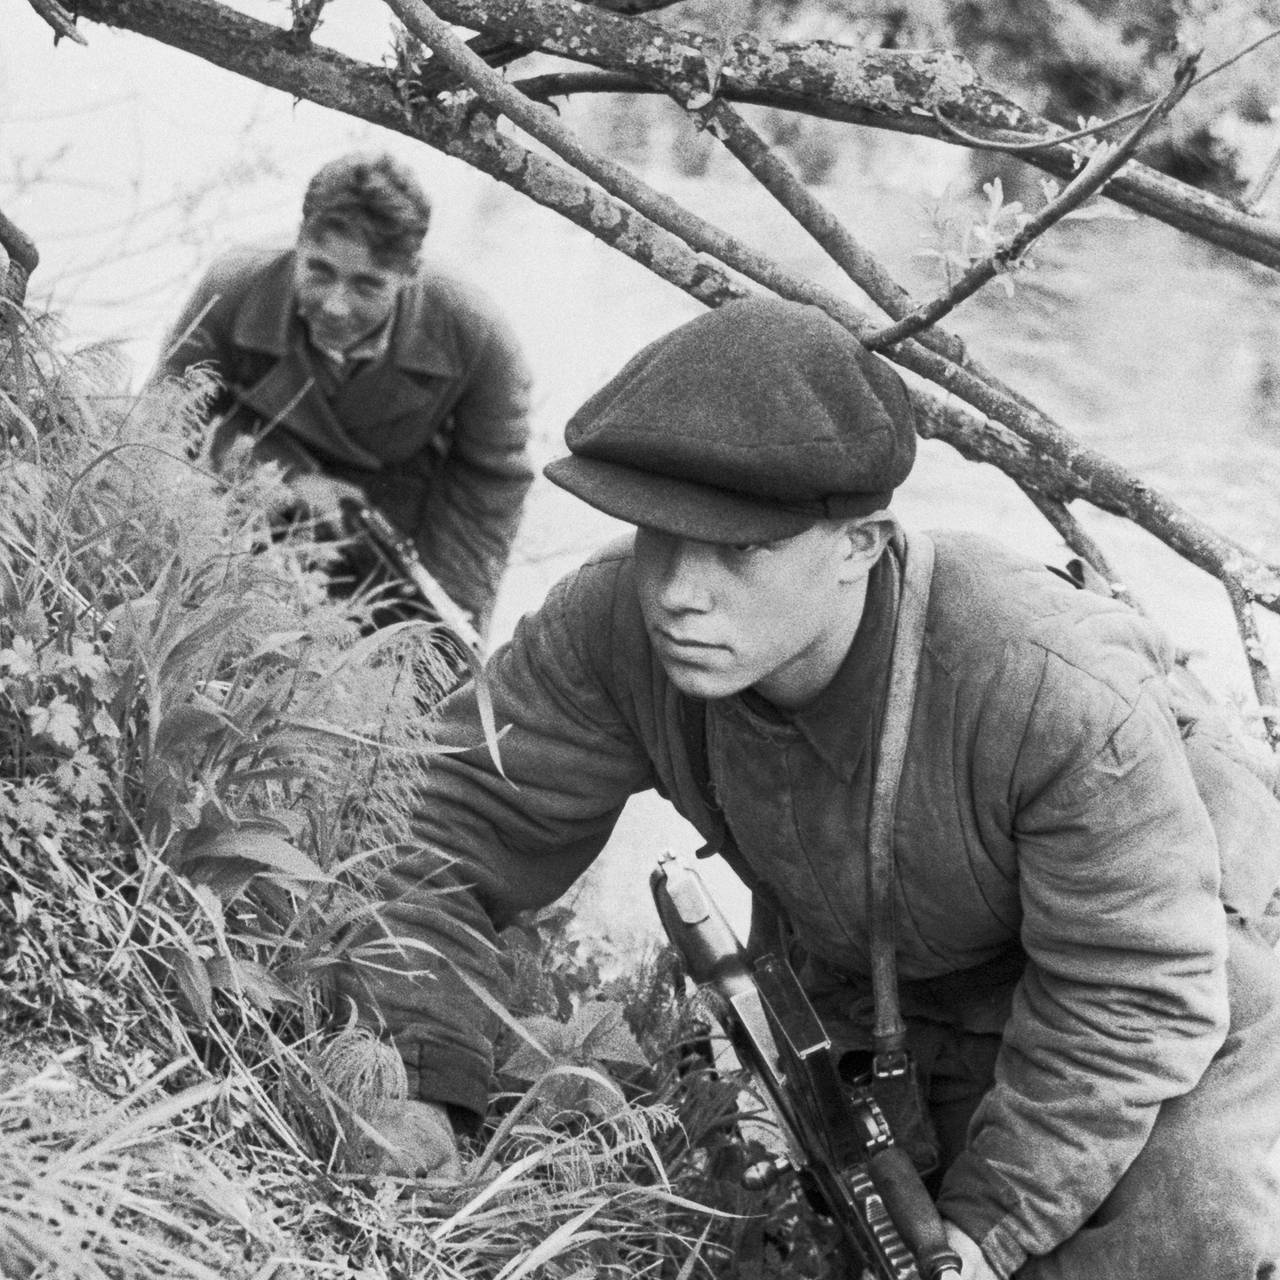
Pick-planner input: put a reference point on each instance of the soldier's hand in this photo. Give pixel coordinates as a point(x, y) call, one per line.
point(419, 1138)
point(974, 1265)
point(323, 496)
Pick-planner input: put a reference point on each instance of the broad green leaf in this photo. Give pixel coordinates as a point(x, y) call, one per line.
point(192, 977)
point(20, 660)
point(104, 724)
point(226, 877)
point(59, 722)
point(233, 973)
point(263, 847)
point(85, 659)
point(605, 1035)
point(189, 724)
point(530, 1062)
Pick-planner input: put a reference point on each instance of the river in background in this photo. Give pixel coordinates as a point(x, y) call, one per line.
point(132, 166)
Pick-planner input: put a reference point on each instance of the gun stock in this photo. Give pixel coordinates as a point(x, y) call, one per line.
point(837, 1141)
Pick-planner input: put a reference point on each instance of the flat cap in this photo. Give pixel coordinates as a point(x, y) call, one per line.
point(746, 424)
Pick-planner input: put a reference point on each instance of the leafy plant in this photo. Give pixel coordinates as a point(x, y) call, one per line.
point(203, 762)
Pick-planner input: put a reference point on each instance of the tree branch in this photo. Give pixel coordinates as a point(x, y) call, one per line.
point(743, 142)
point(23, 256)
point(497, 51)
point(541, 123)
point(1072, 532)
point(1195, 540)
point(895, 90)
point(1105, 163)
point(1263, 686)
point(62, 22)
point(1045, 457)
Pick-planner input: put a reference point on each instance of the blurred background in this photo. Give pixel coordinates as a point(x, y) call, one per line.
point(132, 165)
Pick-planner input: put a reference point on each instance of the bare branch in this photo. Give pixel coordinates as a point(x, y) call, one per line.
point(1073, 533)
point(723, 122)
point(1104, 164)
point(23, 256)
point(1064, 469)
point(543, 125)
point(887, 89)
point(1046, 436)
point(1263, 686)
point(499, 52)
point(62, 22)
point(1006, 430)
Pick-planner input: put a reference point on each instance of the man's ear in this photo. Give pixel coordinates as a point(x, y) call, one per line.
point(864, 540)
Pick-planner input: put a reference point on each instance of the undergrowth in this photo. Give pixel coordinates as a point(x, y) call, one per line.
point(203, 763)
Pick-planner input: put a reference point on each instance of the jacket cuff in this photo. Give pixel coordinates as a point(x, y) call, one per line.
point(991, 1230)
point(459, 1081)
point(1003, 1253)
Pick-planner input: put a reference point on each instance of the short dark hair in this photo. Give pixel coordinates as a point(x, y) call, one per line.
point(370, 196)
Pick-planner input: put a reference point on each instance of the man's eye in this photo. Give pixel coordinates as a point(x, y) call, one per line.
point(743, 547)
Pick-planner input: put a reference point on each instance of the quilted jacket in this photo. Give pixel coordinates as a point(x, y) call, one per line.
point(1047, 807)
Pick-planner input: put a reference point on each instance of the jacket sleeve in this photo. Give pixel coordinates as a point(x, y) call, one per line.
point(488, 846)
point(199, 336)
point(473, 509)
point(1123, 1001)
point(202, 336)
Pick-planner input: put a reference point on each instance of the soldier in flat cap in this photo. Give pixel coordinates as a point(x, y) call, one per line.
point(1092, 1011)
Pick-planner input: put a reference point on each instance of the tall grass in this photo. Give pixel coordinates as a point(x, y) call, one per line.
point(203, 763)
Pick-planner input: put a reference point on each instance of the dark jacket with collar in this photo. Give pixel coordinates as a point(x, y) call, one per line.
point(435, 434)
point(1046, 804)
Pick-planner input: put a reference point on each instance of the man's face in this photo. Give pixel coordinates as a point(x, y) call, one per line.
point(343, 293)
point(778, 617)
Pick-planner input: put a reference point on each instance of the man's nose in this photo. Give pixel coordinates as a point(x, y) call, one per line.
point(335, 304)
point(684, 584)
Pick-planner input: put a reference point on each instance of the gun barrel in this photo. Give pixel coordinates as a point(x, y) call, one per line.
point(405, 555)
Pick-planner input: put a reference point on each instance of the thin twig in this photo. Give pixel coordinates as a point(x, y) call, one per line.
point(723, 121)
point(1263, 686)
point(63, 23)
point(1087, 131)
point(1039, 144)
point(1073, 533)
point(1103, 165)
point(564, 84)
point(1259, 188)
point(1235, 57)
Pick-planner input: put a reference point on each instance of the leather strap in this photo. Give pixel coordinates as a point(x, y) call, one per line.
point(889, 1032)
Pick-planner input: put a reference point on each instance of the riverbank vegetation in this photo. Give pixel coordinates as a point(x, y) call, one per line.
point(203, 761)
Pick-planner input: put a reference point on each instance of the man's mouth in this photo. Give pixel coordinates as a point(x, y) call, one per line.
point(330, 336)
point(685, 644)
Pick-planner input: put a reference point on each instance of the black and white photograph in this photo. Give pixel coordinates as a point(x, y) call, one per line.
point(639, 640)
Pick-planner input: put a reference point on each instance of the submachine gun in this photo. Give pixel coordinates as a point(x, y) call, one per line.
point(837, 1140)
